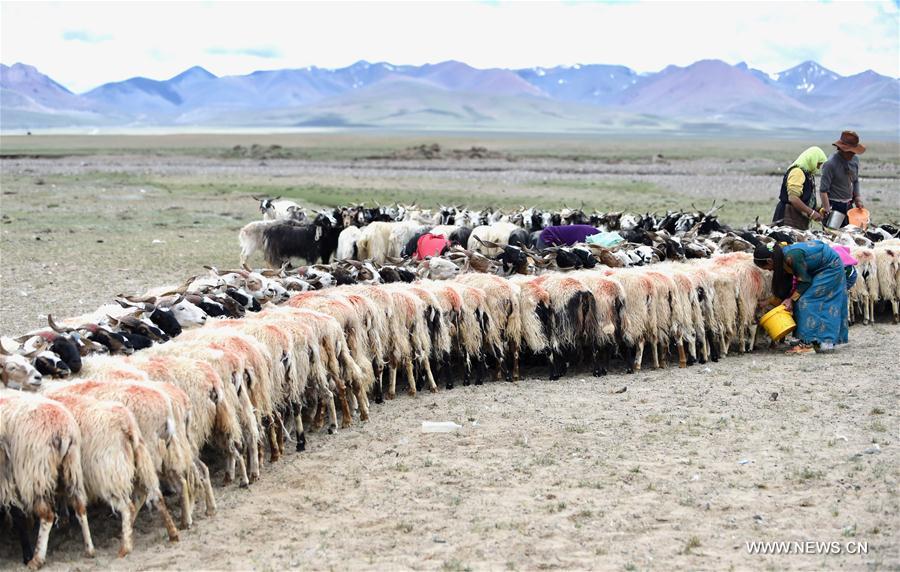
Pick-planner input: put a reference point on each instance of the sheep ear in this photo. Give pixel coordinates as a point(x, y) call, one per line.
point(3, 351)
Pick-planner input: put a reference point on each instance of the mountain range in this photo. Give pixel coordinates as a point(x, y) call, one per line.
point(708, 94)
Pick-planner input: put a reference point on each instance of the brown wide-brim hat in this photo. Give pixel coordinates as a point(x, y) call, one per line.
point(849, 141)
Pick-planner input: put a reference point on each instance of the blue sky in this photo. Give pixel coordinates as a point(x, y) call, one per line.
point(84, 44)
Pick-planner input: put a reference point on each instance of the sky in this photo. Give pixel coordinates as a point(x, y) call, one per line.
point(84, 44)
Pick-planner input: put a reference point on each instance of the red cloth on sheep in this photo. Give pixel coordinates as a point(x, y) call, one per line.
point(431, 245)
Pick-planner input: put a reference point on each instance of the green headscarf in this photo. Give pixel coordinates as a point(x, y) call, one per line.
point(809, 159)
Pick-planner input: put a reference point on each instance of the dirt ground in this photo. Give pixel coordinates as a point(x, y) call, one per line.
point(677, 472)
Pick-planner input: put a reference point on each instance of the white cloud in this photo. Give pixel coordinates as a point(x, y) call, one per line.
point(161, 39)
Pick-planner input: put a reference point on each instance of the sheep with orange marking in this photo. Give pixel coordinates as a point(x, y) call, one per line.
point(534, 307)
point(430, 335)
point(753, 285)
point(725, 286)
point(503, 331)
point(306, 371)
point(609, 297)
point(410, 337)
point(450, 302)
point(250, 361)
point(116, 463)
point(230, 367)
point(335, 356)
point(573, 320)
point(182, 409)
point(438, 329)
point(41, 458)
point(353, 334)
point(279, 344)
point(160, 427)
point(351, 318)
point(638, 318)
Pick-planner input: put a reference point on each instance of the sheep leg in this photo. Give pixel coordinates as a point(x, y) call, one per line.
point(754, 329)
point(362, 401)
point(127, 512)
point(480, 369)
point(209, 499)
point(378, 387)
point(235, 457)
point(332, 411)
point(723, 345)
point(20, 525)
point(601, 361)
point(514, 359)
point(713, 342)
point(230, 463)
point(319, 416)
point(499, 373)
point(280, 431)
point(639, 355)
point(160, 505)
point(269, 426)
point(682, 357)
point(392, 385)
point(691, 342)
point(251, 436)
point(432, 386)
point(187, 507)
point(895, 306)
point(45, 513)
point(410, 376)
point(704, 348)
point(298, 427)
point(555, 364)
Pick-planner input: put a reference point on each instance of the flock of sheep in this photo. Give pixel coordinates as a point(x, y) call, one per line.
point(236, 363)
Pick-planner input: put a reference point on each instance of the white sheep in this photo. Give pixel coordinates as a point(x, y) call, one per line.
point(116, 463)
point(41, 456)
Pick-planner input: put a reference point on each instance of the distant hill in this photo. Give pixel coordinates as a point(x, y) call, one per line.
point(454, 95)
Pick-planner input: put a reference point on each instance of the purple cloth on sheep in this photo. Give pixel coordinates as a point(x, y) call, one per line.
point(567, 234)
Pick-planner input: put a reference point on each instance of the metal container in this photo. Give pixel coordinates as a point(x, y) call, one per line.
point(835, 219)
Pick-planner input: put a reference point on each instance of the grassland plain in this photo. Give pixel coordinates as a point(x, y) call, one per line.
point(565, 475)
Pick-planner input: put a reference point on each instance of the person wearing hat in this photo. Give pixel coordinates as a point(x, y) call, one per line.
point(840, 176)
point(797, 201)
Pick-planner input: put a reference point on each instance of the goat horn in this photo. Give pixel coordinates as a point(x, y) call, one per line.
point(54, 327)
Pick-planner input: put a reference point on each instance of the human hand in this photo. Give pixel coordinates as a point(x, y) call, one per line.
point(815, 216)
point(857, 202)
point(788, 304)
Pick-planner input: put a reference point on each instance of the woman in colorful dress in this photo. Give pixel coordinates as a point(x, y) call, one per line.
point(820, 301)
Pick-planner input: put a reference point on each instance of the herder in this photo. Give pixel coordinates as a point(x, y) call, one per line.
point(839, 185)
point(797, 200)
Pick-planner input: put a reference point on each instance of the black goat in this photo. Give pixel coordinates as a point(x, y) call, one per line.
point(311, 242)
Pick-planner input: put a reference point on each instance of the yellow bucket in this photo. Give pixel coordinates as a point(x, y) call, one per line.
point(778, 323)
